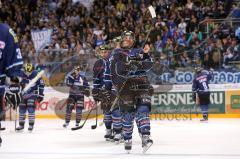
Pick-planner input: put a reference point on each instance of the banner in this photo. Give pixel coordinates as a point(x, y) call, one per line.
point(41, 38)
point(182, 102)
point(186, 77)
point(233, 102)
point(224, 100)
point(87, 3)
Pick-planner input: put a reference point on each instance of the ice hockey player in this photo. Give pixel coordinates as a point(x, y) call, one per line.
point(103, 91)
point(201, 92)
point(78, 88)
point(33, 95)
point(128, 69)
point(10, 66)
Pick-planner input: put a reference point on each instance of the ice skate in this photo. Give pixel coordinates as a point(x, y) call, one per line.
point(108, 134)
point(65, 125)
point(30, 128)
point(146, 142)
point(20, 128)
point(204, 119)
point(2, 128)
point(117, 138)
point(128, 145)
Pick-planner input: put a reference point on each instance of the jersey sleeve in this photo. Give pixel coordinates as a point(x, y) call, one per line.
point(14, 61)
point(70, 80)
point(98, 70)
point(194, 86)
point(41, 86)
point(147, 62)
point(210, 75)
point(107, 76)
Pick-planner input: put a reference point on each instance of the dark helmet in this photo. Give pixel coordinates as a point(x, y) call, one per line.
point(198, 69)
point(117, 39)
point(131, 37)
point(102, 50)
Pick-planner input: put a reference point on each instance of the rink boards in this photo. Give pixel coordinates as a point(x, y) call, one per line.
point(168, 102)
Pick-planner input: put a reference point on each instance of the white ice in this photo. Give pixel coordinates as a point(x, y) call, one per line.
point(217, 139)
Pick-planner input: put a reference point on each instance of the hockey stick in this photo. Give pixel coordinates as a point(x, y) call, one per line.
point(16, 115)
point(33, 81)
point(95, 126)
point(81, 126)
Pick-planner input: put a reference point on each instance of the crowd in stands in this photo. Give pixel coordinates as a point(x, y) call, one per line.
point(178, 37)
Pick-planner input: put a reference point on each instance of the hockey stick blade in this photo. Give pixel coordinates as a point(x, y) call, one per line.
point(81, 126)
point(95, 126)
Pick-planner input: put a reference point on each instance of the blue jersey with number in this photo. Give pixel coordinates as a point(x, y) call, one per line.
point(201, 82)
point(10, 56)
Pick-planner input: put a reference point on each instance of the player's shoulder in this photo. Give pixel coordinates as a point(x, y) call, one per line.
point(4, 27)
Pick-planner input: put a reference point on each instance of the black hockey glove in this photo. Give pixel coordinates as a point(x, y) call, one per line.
point(194, 96)
point(87, 91)
point(40, 99)
point(106, 94)
point(96, 94)
point(13, 95)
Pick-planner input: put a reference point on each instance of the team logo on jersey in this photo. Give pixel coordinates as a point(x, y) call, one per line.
point(14, 35)
point(2, 44)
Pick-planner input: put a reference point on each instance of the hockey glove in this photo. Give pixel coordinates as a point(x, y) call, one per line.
point(96, 94)
point(194, 96)
point(87, 91)
point(13, 95)
point(40, 99)
point(106, 95)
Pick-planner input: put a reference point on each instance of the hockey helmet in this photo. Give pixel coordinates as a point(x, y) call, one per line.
point(117, 39)
point(198, 69)
point(127, 39)
point(103, 50)
point(28, 67)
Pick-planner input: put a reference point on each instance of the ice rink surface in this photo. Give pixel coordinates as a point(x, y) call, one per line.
point(217, 139)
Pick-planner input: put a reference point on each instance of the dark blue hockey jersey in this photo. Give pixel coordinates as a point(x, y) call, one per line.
point(37, 89)
point(77, 83)
point(10, 55)
point(123, 65)
point(201, 81)
point(102, 74)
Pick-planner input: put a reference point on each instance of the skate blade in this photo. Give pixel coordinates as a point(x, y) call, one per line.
point(145, 148)
point(128, 151)
point(19, 131)
point(109, 140)
point(2, 129)
point(117, 142)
